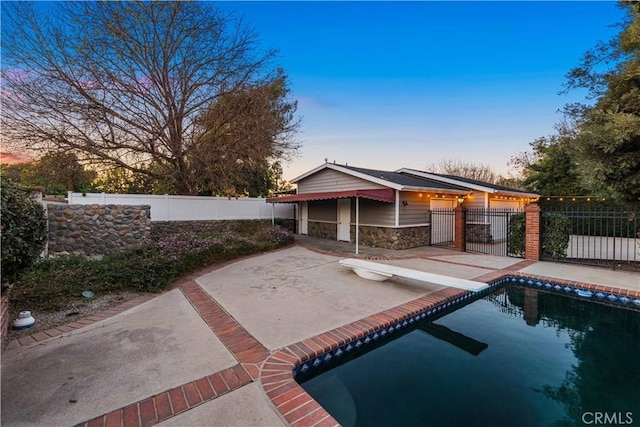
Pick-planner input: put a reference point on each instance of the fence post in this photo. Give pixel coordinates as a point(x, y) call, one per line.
point(533, 232)
point(460, 228)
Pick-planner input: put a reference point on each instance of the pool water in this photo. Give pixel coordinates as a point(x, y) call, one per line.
point(518, 357)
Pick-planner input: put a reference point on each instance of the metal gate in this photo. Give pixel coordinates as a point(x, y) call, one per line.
point(442, 227)
point(495, 231)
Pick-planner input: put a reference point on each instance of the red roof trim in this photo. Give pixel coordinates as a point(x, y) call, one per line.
point(382, 195)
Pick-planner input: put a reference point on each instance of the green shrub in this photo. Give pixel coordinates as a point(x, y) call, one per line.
point(52, 283)
point(248, 227)
point(24, 230)
point(143, 269)
point(516, 236)
point(555, 235)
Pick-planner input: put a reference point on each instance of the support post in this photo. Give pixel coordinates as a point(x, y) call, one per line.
point(397, 206)
point(357, 223)
point(273, 214)
point(460, 235)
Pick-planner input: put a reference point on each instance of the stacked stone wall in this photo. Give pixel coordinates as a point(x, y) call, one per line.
point(95, 230)
point(392, 238)
point(323, 230)
point(161, 229)
point(479, 233)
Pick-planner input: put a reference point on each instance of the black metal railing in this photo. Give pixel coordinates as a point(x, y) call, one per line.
point(492, 232)
point(600, 235)
point(442, 227)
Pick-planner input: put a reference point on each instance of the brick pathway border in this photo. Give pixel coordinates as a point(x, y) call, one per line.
point(80, 323)
point(300, 409)
point(240, 343)
point(274, 370)
point(290, 399)
point(162, 406)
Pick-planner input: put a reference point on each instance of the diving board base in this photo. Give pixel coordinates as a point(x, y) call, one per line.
point(372, 275)
point(381, 272)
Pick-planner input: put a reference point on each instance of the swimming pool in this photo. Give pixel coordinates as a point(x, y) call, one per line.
point(519, 356)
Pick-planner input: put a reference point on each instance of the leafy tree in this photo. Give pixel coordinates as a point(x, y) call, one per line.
point(24, 229)
point(123, 181)
point(14, 171)
point(237, 155)
point(553, 170)
point(598, 148)
point(58, 173)
point(132, 85)
point(608, 141)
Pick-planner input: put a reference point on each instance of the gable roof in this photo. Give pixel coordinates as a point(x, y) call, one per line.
point(406, 179)
point(394, 180)
point(468, 183)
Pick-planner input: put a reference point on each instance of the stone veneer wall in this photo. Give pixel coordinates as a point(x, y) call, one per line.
point(479, 233)
point(323, 230)
point(97, 229)
point(160, 229)
point(392, 238)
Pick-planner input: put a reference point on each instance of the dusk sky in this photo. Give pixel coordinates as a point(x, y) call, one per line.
point(404, 84)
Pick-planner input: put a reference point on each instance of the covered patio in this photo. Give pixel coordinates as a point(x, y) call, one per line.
point(344, 200)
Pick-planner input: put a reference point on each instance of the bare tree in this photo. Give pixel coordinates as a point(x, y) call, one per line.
point(127, 84)
point(457, 167)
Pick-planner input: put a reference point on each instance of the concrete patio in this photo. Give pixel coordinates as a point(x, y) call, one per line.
point(210, 351)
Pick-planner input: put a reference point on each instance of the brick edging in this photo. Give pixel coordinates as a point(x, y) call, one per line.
point(79, 323)
point(299, 409)
point(169, 403)
point(59, 330)
point(292, 402)
point(244, 346)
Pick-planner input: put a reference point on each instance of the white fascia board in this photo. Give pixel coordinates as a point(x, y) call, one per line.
point(447, 180)
point(433, 190)
point(311, 172)
point(518, 194)
point(353, 173)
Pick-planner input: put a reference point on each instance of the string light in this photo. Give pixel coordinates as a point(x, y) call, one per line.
point(575, 198)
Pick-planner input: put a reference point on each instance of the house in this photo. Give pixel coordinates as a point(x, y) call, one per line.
point(387, 209)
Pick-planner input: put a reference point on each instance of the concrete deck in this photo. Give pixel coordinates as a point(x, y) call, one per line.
point(216, 350)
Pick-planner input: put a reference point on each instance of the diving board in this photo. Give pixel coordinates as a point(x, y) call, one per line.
point(380, 272)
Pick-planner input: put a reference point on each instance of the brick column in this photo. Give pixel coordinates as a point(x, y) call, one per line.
point(4, 316)
point(533, 232)
point(460, 238)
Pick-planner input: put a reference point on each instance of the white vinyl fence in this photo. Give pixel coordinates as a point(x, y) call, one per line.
point(190, 208)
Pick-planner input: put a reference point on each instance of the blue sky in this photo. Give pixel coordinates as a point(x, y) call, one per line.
point(404, 84)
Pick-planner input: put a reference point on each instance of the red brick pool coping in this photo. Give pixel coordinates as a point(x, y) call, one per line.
point(300, 409)
point(274, 370)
